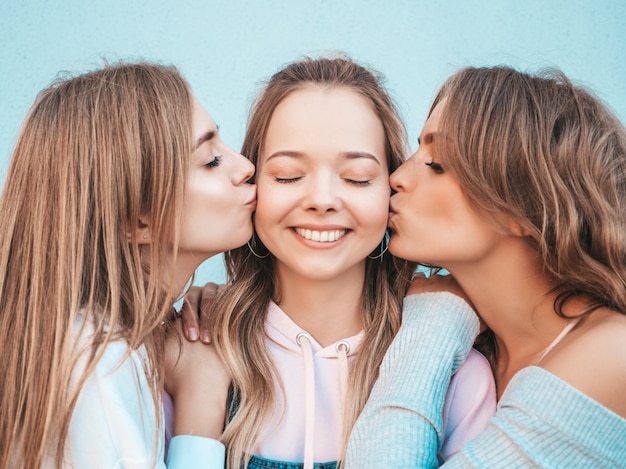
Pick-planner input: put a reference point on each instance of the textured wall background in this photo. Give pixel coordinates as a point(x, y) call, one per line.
point(225, 48)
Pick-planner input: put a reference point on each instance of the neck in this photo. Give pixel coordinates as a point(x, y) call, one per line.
point(515, 299)
point(186, 266)
point(328, 309)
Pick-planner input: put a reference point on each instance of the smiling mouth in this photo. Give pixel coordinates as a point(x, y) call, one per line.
point(321, 236)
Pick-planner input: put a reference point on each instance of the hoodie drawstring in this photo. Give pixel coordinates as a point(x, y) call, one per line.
point(304, 340)
point(343, 349)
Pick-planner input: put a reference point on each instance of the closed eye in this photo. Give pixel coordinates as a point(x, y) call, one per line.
point(436, 167)
point(358, 183)
point(287, 180)
point(214, 162)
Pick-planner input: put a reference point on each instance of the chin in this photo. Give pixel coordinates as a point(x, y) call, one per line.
point(403, 253)
point(395, 247)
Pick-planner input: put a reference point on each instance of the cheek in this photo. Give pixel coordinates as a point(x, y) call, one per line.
point(374, 209)
point(272, 204)
point(208, 199)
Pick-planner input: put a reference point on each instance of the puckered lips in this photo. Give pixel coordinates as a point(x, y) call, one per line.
point(392, 212)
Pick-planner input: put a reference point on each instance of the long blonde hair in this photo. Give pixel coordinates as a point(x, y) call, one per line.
point(238, 329)
point(95, 153)
point(550, 156)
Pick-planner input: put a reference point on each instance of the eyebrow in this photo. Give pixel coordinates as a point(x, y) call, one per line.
point(361, 154)
point(428, 137)
point(351, 155)
point(205, 137)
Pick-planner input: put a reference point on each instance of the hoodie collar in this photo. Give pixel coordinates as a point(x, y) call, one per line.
point(281, 329)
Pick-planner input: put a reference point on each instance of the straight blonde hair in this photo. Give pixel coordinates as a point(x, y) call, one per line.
point(96, 153)
point(241, 309)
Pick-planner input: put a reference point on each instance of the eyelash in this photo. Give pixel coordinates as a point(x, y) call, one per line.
point(436, 167)
point(214, 162)
point(357, 183)
point(286, 180)
point(292, 180)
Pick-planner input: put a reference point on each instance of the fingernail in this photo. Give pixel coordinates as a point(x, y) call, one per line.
point(205, 337)
point(193, 333)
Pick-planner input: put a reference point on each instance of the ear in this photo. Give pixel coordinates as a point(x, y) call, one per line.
point(515, 228)
point(142, 232)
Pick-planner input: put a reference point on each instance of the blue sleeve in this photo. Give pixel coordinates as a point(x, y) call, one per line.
point(542, 421)
point(401, 425)
point(187, 452)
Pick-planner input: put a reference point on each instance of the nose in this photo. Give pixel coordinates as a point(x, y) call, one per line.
point(398, 179)
point(243, 169)
point(323, 193)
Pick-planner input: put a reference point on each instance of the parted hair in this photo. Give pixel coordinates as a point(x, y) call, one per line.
point(241, 309)
point(551, 157)
point(96, 154)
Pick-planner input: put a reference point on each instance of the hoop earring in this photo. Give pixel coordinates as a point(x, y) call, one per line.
point(384, 245)
point(253, 243)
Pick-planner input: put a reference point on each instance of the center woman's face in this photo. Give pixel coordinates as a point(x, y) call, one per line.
point(322, 178)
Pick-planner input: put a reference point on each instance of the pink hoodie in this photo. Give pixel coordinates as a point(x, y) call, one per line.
point(314, 379)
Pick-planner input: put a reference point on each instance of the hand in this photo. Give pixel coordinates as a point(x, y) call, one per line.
point(436, 283)
point(198, 382)
point(195, 312)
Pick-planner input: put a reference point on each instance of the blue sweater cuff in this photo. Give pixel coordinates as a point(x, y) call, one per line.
point(188, 452)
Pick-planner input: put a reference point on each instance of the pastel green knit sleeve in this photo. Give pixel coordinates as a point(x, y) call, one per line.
point(544, 422)
point(401, 425)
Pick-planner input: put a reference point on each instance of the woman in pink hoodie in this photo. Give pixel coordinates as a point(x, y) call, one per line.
point(314, 301)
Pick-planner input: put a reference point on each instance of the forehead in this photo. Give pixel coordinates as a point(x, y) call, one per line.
point(325, 116)
point(433, 122)
point(330, 99)
point(202, 120)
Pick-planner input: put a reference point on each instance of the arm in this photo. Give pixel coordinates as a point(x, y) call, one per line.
point(198, 384)
point(401, 424)
point(542, 421)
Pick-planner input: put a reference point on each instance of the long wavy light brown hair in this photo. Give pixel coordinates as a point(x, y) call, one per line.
point(550, 156)
point(241, 309)
point(96, 154)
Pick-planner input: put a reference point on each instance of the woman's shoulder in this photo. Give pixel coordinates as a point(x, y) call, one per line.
point(116, 365)
point(592, 359)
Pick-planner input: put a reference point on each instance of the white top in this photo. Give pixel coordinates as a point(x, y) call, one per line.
point(114, 422)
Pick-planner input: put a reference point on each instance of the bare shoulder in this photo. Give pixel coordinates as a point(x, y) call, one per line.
point(592, 358)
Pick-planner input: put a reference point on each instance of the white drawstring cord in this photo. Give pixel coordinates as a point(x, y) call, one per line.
point(304, 340)
point(343, 349)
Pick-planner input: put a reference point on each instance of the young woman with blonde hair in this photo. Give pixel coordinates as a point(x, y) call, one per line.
point(116, 179)
point(518, 189)
point(315, 300)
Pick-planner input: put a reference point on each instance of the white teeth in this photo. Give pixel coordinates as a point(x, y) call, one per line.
point(321, 236)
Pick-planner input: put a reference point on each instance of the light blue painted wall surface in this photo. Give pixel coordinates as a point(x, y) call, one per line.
point(225, 48)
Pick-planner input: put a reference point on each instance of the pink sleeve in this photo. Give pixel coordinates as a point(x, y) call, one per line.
point(470, 403)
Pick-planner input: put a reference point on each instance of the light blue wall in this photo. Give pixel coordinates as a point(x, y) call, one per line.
point(225, 48)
